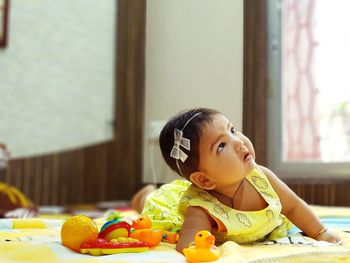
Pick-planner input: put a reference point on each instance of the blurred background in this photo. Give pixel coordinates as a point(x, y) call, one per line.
point(86, 88)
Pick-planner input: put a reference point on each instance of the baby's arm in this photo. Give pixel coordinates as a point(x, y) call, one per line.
point(297, 211)
point(196, 219)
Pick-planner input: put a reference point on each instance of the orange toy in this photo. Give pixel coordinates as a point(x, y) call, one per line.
point(170, 237)
point(150, 236)
point(142, 222)
point(143, 231)
point(77, 230)
point(204, 249)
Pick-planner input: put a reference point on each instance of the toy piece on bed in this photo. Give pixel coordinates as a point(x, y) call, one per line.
point(143, 231)
point(102, 247)
point(170, 237)
point(117, 228)
point(204, 249)
point(77, 230)
point(142, 222)
point(150, 236)
point(80, 234)
point(114, 229)
point(114, 238)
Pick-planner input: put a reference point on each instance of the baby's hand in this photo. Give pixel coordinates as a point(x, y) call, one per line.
point(329, 236)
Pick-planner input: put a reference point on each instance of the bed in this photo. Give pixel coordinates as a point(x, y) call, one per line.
point(38, 240)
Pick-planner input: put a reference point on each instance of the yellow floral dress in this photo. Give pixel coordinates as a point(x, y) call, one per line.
point(167, 206)
point(161, 205)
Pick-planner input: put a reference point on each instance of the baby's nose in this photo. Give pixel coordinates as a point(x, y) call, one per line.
point(238, 145)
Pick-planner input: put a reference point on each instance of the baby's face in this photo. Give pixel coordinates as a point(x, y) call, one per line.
point(226, 155)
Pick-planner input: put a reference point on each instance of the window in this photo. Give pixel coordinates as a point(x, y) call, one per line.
point(309, 106)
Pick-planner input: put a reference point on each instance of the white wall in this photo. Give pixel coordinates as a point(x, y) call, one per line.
point(194, 57)
point(57, 75)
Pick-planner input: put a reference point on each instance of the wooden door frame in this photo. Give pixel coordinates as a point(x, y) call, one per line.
point(255, 80)
point(129, 92)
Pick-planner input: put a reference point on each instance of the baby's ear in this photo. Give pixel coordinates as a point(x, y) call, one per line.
point(199, 179)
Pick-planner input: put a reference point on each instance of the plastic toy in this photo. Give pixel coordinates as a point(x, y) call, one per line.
point(143, 231)
point(204, 249)
point(77, 230)
point(102, 247)
point(142, 222)
point(114, 229)
point(170, 237)
point(80, 233)
point(150, 236)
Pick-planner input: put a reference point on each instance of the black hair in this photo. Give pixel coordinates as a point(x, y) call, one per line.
point(192, 131)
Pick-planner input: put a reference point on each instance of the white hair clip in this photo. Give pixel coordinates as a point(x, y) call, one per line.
point(176, 151)
point(179, 140)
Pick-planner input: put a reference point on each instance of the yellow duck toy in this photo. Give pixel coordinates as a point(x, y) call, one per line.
point(204, 249)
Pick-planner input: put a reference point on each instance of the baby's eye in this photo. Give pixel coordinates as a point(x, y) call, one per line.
point(221, 147)
point(233, 130)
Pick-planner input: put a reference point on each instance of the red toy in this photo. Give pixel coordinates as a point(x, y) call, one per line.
point(102, 247)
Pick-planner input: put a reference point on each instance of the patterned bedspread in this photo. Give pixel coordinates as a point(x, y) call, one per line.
point(38, 240)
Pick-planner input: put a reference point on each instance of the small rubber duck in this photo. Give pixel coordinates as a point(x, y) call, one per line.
point(142, 222)
point(204, 249)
